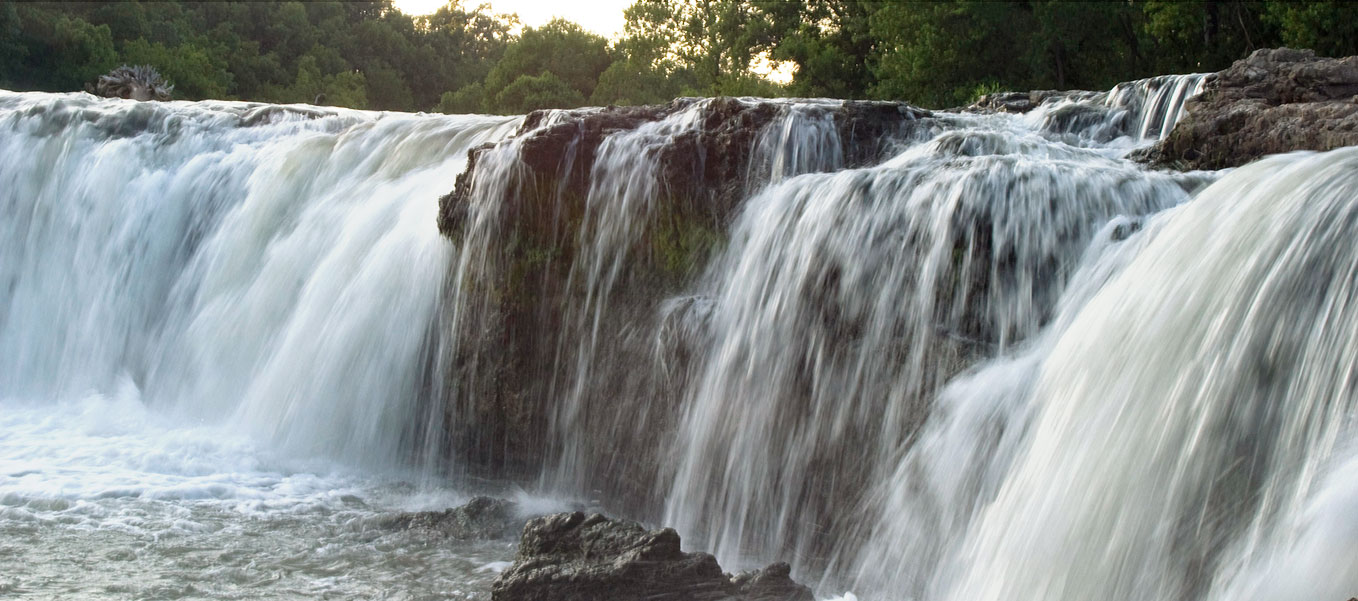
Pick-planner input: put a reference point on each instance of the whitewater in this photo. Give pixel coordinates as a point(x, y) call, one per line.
point(222, 326)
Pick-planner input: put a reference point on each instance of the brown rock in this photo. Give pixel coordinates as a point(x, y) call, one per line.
point(1276, 100)
point(575, 557)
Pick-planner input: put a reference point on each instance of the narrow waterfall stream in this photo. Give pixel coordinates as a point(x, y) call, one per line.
point(974, 356)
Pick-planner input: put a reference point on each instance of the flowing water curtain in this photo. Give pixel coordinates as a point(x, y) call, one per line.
point(1214, 373)
point(1208, 361)
point(1139, 111)
point(273, 267)
point(846, 300)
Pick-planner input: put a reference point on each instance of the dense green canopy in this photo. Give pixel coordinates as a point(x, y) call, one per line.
point(367, 54)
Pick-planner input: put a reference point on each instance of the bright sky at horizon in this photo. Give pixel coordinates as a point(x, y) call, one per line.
point(603, 17)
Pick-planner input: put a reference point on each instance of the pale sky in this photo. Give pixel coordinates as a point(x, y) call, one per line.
point(603, 17)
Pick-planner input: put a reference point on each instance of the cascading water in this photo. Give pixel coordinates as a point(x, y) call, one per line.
point(203, 307)
point(1155, 104)
point(1187, 433)
point(835, 347)
point(960, 357)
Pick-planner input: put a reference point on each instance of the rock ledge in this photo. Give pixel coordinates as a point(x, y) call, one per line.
point(1276, 100)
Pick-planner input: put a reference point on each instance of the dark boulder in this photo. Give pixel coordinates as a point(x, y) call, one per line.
point(579, 557)
point(1276, 100)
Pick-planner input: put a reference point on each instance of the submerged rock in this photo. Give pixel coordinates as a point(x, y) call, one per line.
point(579, 557)
point(482, 518)
point(1276, 100)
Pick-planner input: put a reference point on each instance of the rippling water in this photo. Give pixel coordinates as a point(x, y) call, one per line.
point(102, 499)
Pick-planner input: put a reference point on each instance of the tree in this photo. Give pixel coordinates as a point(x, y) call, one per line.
point(716, 39)
point(570, 54)
point(1083, 45)
point(1205, 36)
point(829, 41)
point(1328, 27)
point(341, 89)
point(63, 52)
point(468, 100)
point(530, 93)
point(938, 54)
point(192, 70)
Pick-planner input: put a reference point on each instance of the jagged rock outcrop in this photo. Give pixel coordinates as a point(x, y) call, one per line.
point(546, 193)
point(482, 518)
point(1276, 100)
point(140, 82)
point(579, 557)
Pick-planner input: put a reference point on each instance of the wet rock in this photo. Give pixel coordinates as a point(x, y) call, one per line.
point(520, 302)
point(1276, 100)
point(579, 557)
point(773, 583)
point(482, 518)
point(707, 165)
point(1020, 102)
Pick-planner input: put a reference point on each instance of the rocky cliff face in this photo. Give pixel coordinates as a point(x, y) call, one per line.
point(1276, 100)
point(573, 233)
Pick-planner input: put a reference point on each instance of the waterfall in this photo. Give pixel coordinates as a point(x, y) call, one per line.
point(1155, 104)
point(846, 300)
point(924, 356)
point(1188, 433)
point(274, 267)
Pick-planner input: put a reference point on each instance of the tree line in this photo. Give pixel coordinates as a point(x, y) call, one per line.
point(468, 59)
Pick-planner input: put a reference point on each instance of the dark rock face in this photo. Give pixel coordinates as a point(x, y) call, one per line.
point(575, 557)
point(520, 321)
point(1276, 100)
point(482, 518)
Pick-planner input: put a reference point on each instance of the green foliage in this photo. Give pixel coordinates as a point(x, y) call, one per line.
point(571, 55)
point(470, 99)
point(1206, 36)
point(63, 52)
point(340, 89)
point(462, 59)
point(630, 82)
point(543, 91)
point(716, 41)
point(356, 53)
point(191, 69)
point(938, 53)
point(13, 51)
point(829, 41)
point(1330, 28)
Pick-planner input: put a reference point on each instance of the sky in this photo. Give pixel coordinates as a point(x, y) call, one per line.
point(603, 17)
